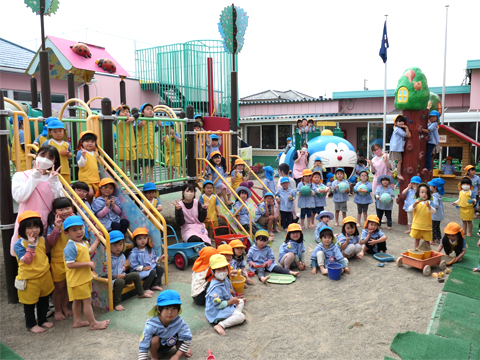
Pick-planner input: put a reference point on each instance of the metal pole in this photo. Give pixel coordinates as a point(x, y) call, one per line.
point(191, 153)
point(385, 103)
point(7, 216)
point(107, 127)
point(234, 114)
point(72, 114)
point(33, 92)
point(444, 80)
point(44, 70)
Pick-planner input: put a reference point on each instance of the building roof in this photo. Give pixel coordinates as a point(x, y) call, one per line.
point(290, 118)
point(457, 89)
point(459, 134)
point(277, 95)
point(14, 56)
point(473, 64)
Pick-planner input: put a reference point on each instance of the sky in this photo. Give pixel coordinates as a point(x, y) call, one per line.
point(314, 47)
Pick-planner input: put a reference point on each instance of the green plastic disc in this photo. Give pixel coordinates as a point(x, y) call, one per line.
point(282, 279)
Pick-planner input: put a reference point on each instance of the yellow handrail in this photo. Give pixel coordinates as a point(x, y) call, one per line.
point(201, 137)
point(94, 98)
point(252, 172)
point(64, 106)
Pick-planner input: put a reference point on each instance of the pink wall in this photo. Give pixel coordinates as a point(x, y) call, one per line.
point(475, 90)
point(366, 105)
point(351, 129)
point(321, 107)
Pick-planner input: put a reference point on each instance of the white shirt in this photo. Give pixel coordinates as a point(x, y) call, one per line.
point(22, 190)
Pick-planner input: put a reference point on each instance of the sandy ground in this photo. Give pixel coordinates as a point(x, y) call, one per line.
point(355, 318)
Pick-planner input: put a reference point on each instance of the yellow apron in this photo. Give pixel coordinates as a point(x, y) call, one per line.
point(211, 211)
point(23, 163)
point(237, 180)
point(467, 210)
point(89, 173)
point(58, 259)
point(64, 161)
point(173, 152)
point(146, 141)
point(76, 277)
point(126, 141)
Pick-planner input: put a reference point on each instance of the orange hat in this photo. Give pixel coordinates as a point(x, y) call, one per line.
point(203, 261)
point(307, 172)
point(27, 215)
point(453, 229)
point(372, 218)
point(213, 153)
point(236, 244)
point(225, 249)
point(468, 167)
point(104, 182)
point(141, 231)
point(349, 219)
point(294, 227)
point(239, 162)
point(448, 158)
point(87, 132)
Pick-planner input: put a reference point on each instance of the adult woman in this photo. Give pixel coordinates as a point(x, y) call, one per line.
point(379, 166)
point(300, 159)
point(36, 189)
point(190, 215)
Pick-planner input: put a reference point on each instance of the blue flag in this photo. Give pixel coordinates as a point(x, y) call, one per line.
point(383, 48)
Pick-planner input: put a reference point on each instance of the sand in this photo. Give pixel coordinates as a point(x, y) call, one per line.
point(354, 318)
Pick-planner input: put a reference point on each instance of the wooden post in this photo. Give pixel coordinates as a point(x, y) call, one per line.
point(107, 127)
point(413, 156)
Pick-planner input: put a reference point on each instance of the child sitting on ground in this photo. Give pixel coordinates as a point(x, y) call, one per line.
point(466, 201)
point(265, 214)
point(238, 174)
point(448, 168)
point(151, 193)
point(218, 163)
point(145, 261)
point(34, 281)
point(200, 272)
point(108, 207)
point(285, 197)
point(326, 253)
point(372, 237)
point(292, 250)
point(306, 202)
point(340, 198)
point(120, 278)
point(397, 143)
point(79, 273)
point(81, 189)
point(422, 215)
point(453, 242)
point(56, 129)
point(87, 162)
point(222, 309)
point(320, 195)
point(385, 207)
point(241, 212)
point(324, 217)
point(209, 198)
point(437, 189)
point(409, 192)
point(349, 239)
point(260, 258)
point(165, 329)
point(238, 260)
point(363, 197)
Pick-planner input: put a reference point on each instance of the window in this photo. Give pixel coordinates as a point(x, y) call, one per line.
point(58, 98)
point(269, 136)
point(253, 136)
point(402, 95)
point(284, 131)
point(26, 96)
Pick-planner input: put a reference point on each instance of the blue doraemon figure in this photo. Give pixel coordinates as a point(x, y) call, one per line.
point(334, 151)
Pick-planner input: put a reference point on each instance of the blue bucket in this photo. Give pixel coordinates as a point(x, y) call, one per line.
point(334, 271)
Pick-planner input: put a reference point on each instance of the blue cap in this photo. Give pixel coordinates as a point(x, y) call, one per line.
point(149, 186)
point(416, 180)
point(289, 139)
point(45, 130)
point(268, 194)
point(20, 118)
point(434, 113)
point(280, 153)
point(340, 169)
point(330, 175)
point(206, 182)
point(144, 105)
point(318, 159)
point(168, 297)
point(198, 116)
point(214, 137)
point(439, 184)
point(56, 124)
point(352, 180)
point(116, 235)
point(74, 220)
point(326, 228)
point(50, 119)
point(268, 169)
point(284, 180)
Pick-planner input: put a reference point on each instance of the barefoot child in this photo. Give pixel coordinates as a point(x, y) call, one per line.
point(56, 129)
point(79, 273)
point(200, 274)
point(285, 198)
point(238, 260)
point(409, 192)
point(397, 143)
point(34, 280)
point(292, 250)
point(218, 163)
point(349, 239)
point(166, 329)
point(363, 195)
point(372, 237)
point(340, 198)
point(87, 162)
point(466, 202)
point(260, 258)
point(437, 190)
point(120, 278)
point(326, 253)
point(382, 207)
point(422, 215)
point(265, 214)
point(145, 262)
point(453, 241)
point(306, 201)
point(222, 309)
point(209, 198)
point(107, 207)
point(324, 217)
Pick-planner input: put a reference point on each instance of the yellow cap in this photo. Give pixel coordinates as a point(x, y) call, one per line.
point(239, 162)
point(453, 229)
point(236, 244)
point(372, 218)
point(225, 249)
point(262, 233)
point(349, 219)
point(293, 227)
point(468, 167)
point(307, 172)
point(140, 231)
point(104, 182)
point(218, 261)
point(213, 153)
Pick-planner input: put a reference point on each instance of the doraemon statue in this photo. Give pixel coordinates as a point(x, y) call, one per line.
point(334, 151)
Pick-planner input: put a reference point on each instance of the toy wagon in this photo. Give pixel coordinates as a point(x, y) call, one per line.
point(179, 253)
point(424, 264)
point(225, 239)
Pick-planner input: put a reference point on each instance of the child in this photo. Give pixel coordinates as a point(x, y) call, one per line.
point(151, 193)
point(385, 181)
point(21, 138)
point(306, 202)
point(437, 190)
point(340, 198)
point(165, 329)
point(42, 137)
point(146, 141)
point(79, 273)
point(324, 217)
point(409, 192)
point(265, 214)
point(222, 309)
point(310, 126)
point(453, 241)
point(434, 138)
point(397, 143)
point(304, 130)
point(289, 145)
point(283, 172)
point(326, 253)
point(422, 215)
point(238, 260)
point(361, 166)
point(62, 208)
point(320, 193)
point(87, 162)
point(209, 198)
point(243, 215)
point(173, 152)
point(372, 237)
point(126, 141)
point(34, 280)
point(285, 198)
point(363, 197)
point(56, 129)
point(120, 278)
point(200, 274)
point(81, 189)
point(349, 239)
point(108, 207)
point(212, 146)
point(268, 181)
point(466, 202)
point(448, 168)
point(318, 167)
point(144, 260)
point(260, 258)
point(292, 250)
point(238, 174)
point(218, 163)
point(470, 172)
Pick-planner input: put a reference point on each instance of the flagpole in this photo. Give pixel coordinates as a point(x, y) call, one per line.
point(444, 80)
point(385, 103)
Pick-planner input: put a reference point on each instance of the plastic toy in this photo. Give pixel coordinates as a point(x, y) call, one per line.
point(281, 279)
point(107, 65)
point(217, 300)
point(343, 187)
point(305, 190)
point(425, 265)
point(362, 187)
point(179, 253)
point(82, 50)
point(210, 356)
point(385, 198)
point(321, 188)
point(384, 257)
